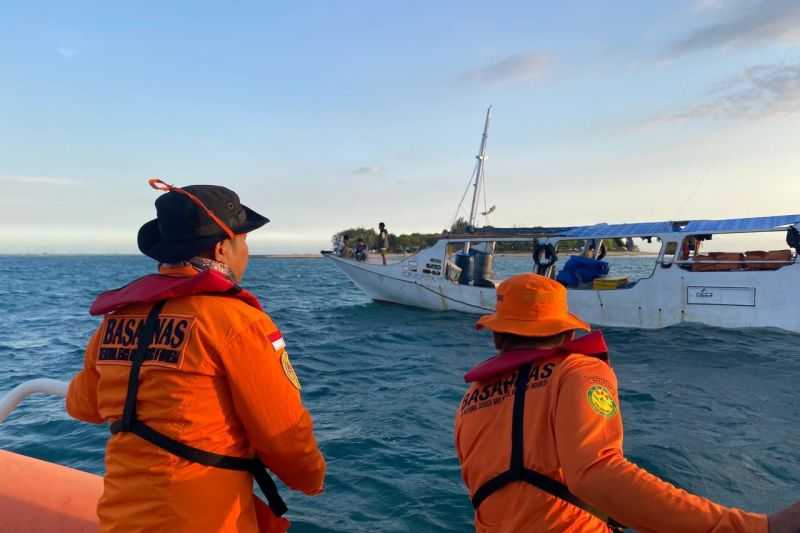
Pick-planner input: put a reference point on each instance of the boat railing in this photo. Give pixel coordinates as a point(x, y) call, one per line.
point(35, 386)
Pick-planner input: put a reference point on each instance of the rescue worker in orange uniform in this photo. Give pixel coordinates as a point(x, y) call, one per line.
point(195, 379)
point(539, 434)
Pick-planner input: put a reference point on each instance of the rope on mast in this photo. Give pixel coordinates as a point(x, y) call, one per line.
point(485, 205)
point(464, 196)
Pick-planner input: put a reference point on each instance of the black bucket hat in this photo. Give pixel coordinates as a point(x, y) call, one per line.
point(192, 219)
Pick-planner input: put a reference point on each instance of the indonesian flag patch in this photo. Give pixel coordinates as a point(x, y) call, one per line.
point(279, 345)
point(276, 338)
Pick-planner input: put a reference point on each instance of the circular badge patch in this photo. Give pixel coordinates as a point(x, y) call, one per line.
point(602, 401)
point(289, 370)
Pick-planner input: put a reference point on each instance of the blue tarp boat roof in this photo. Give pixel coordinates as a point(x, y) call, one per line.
point(599, 231)
point(645, 229)
point(736, 225)
point(731, 225)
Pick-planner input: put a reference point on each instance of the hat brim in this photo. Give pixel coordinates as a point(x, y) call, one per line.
point(532, 328)
point(252, 221)
point(153, 245)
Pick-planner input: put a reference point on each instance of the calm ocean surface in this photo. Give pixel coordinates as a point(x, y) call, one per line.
point(714, 411)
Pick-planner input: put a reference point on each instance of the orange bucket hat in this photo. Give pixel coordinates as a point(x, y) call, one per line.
point(531, 305)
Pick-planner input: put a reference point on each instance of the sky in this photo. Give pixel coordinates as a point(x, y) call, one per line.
point(328, 115)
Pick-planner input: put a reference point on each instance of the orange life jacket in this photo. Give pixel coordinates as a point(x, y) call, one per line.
point(188, 376)
point(592, 344)
point(539, 438)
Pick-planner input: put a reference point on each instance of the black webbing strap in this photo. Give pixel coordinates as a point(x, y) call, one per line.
point(518, 472)
point(142, 346)
point(129, 423)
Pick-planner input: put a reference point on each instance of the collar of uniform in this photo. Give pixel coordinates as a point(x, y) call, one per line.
point(197, 264)
point(179, 270)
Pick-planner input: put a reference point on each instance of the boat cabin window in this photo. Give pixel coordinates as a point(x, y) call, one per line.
point(668, 253)
point(454, 247)
point(733, 252)
point(605, 264)
point(590, 248)
point(575, 246)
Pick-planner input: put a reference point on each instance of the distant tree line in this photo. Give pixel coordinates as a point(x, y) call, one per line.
point(397, 243)
point(612, 245)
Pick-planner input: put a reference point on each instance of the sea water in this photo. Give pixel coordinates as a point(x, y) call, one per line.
point(714, 411)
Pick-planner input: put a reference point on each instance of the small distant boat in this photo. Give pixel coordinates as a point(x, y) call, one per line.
point(733, 290)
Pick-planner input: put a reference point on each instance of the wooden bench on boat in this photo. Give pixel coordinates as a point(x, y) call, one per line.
point(751, 260)
point(781, 258)
point(717, 262)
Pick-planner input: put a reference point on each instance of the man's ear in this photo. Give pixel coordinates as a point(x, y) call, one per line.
point(219, 252)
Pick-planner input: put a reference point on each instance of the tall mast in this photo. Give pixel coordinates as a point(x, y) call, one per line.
point(473, 213)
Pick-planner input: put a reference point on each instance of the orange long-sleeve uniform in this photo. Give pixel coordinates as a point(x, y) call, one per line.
point(572, 434)
point(221, 382)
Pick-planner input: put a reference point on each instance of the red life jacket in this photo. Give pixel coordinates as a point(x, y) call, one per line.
point(156, 287)
point(592, 344)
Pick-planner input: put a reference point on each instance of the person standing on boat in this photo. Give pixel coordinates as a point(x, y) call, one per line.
point(196, 381)
point(383, 241)
point(344, 248)
point(793, 238)
point(539, 434)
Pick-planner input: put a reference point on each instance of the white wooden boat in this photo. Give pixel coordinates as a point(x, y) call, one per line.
point(752, 289)
point(733, 293)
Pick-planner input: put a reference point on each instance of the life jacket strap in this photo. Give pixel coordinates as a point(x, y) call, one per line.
point(143, 344)
point(517, 471)
point(130, 424)
point(196, 455)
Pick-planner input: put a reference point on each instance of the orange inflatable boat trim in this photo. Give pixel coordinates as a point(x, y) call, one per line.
point(37, 496)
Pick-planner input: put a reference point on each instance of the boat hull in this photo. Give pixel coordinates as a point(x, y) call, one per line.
point(396, 285)
point(670, 296)
point(736, 299)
